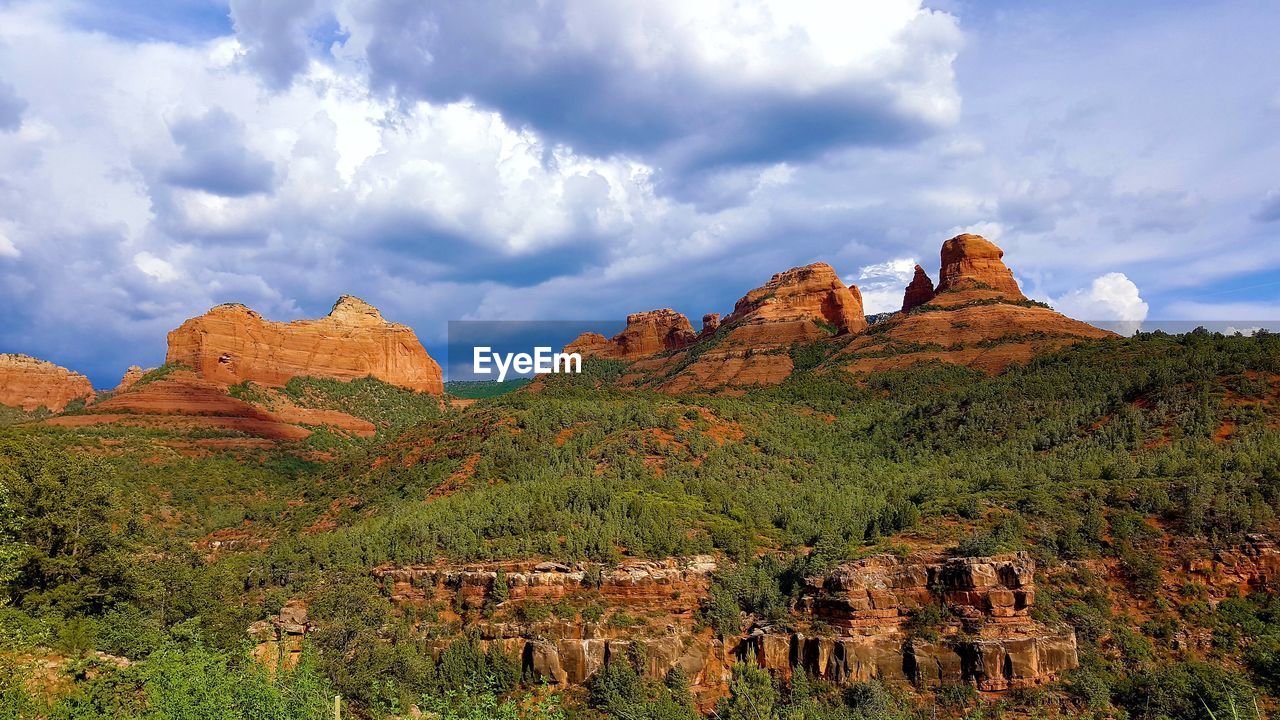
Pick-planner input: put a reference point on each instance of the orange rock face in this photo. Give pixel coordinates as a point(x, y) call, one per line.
point(974, 262)
point(919, 291)
point(231, 343)
point(847, 626)
point(131, 376)
point(710, 323)
point(988, 336)
point(801, 305)
point(29, 384)
point(813, 293)
point(647, 333)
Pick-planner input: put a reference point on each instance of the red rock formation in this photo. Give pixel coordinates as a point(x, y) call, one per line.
point(919, 291)
point(974, 262)
point(802, 305)
point(232, 343)
point(987, 336)
point(182, 401)
point(30, 384)
point(812, 293)
point(647, 333)
point(978, 317)
point(710, 323)
point(131, 376)
point(848, 625)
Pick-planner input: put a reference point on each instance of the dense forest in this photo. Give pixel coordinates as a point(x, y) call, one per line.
point(133, 560)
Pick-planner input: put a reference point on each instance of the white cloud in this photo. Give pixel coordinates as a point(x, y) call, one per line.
point(7, 248)
point(1112, 299)
point(155, 267)
point(883, 284)
point(1247, 332)
point(702, 83)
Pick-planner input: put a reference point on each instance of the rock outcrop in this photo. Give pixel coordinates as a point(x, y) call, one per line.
point(848, 625)
point(919, 291)
point(231, 343)
point(977, 317)
point(647, 333)
point(748, 347)
point(972, 262)
point(809, 294)
point(280, 638)
point(131, 376)
point(31, 384)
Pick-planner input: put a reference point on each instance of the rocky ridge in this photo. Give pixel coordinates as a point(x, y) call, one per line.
point(231, 344)
point(976, 316)
point(647, 333)
point(29, 384)
point(751, 345)
point(848, 625)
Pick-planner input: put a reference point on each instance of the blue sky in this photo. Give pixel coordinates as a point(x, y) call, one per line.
point(582, 159)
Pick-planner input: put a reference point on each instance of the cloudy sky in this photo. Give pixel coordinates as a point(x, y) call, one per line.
point(581, 159)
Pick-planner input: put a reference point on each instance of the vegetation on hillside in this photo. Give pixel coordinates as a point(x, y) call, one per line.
point(1141, 454)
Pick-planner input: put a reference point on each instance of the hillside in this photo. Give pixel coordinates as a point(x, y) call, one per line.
point(1089, 533)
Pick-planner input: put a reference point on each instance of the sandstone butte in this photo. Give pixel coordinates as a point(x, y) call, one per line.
point(647, 333)
point(231, 343)
point(974, 262)
point(976, 316)
point(30, 384)
point(748, 347)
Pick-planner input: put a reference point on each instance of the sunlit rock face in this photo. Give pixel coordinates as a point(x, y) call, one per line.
point(231, 343)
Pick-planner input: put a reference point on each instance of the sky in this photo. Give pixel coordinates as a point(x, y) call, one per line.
point(583, 159)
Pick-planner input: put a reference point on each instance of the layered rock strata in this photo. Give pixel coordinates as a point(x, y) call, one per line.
point(30, 384)
point(647, 333)
point(848, 625)
point(231, 344)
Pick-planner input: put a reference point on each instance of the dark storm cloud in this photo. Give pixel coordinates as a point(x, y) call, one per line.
point(215, 157)
point(531, 63)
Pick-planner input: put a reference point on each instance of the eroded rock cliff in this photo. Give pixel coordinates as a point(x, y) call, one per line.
point(647, 333)
point(231, 343)
point(972, 262)
point(567, 621)
point(30, 384)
